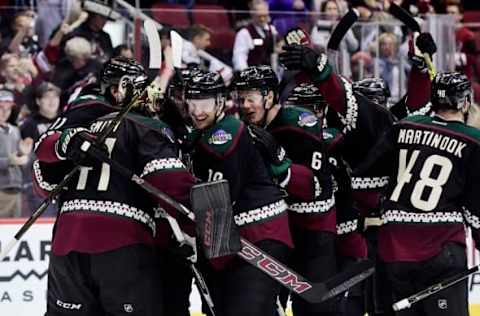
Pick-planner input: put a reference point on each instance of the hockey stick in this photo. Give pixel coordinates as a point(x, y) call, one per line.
point(52, 196)
point(412, 24)
point(415, 298)
point(342, 28)
point(39, 211)
point(154, 44)
point(313, 292)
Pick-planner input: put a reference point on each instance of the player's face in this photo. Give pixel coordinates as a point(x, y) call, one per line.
point(203, 112)
point(252, 106)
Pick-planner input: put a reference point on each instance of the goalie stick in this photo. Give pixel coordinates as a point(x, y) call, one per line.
point(417, 297)
point(412, 24)
point(313, 292)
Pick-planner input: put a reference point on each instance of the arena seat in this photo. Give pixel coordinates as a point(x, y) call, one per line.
point(471, 16)
point(215, 17)
point(171, 14)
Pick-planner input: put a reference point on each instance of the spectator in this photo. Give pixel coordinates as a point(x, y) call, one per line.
point(390, 66)
point(24, 42)
point(254, 43)
point(14, 153)
point(466, 49)
point(47, 101)
point(123, 50)
point(200, 40)
point(321, 32)
point(99, 12)
point(77, 65)
point(51, 13)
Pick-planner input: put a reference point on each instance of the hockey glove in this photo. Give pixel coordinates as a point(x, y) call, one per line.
point(272, 152)
point(419, 45)
point(74, 145)
point(299, 57)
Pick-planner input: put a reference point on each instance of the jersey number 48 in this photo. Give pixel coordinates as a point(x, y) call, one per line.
point(426, 179)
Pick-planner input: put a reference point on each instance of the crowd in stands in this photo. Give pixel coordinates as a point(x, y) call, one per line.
point(49, 49)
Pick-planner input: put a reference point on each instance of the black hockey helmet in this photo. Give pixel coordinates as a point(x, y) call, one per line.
point(180, 79)
point(307, 95)
point(375, 89)
point(203, 84)
point(260, 77)
point(125, 70)
point(449, 89)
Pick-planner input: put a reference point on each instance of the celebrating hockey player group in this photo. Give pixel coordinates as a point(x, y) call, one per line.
point(333, 177)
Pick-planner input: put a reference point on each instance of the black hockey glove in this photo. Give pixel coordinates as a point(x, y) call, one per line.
point(300, 57)
point(420, 45)
point(75, 144)
point(273, 154)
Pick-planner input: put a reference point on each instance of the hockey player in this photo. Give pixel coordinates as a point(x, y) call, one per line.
point(433, 167)
point(104, 258)
point(308, 180)
point(351, 245)
point(374, 89)
point(225, 150)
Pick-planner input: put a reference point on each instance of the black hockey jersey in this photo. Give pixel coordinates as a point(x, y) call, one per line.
point(299, 132)
point(101, 210)
point(226, 151)
point(433, 169)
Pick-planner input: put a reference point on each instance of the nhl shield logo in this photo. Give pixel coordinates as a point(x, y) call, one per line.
point(307, 119)
point(442, 303)
point(128, 308)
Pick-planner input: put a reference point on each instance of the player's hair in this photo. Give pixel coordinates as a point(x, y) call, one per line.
point(78, 47)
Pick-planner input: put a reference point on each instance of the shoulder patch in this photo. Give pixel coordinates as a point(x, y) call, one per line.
point(329, 134)
point(221, 137)
point(299, 117)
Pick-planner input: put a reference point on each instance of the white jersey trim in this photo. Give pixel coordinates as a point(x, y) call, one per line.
point(161, 164)
point(44, 185)
point(369, 182)
point(400, 216)
point(347, 227)
point(109, 207)
point(351, 115)
point(471, 219)
point(260, 214)
point(321, 206)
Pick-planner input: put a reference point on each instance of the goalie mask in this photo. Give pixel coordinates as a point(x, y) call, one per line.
point(451, 91)
point(374, 89)
point(127, 75)
point(308, 96)
point(251, 92)
point(205, 98)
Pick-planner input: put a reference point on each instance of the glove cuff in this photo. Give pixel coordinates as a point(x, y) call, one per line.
point(323, 69)
point(62, 143)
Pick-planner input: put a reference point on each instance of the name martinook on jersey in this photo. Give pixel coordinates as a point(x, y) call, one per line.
point(431, 139)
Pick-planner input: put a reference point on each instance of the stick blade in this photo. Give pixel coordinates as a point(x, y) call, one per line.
point(154, 44)
point(405, 17)
point(342, 28)
point(177, 49)
point(345, 280)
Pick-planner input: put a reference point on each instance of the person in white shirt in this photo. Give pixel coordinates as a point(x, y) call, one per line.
point(254, 43)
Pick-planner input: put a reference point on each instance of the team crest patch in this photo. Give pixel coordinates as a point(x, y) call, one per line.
point(220, 137)
point(128, 308)
point(442, 304)
point(307, 119)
